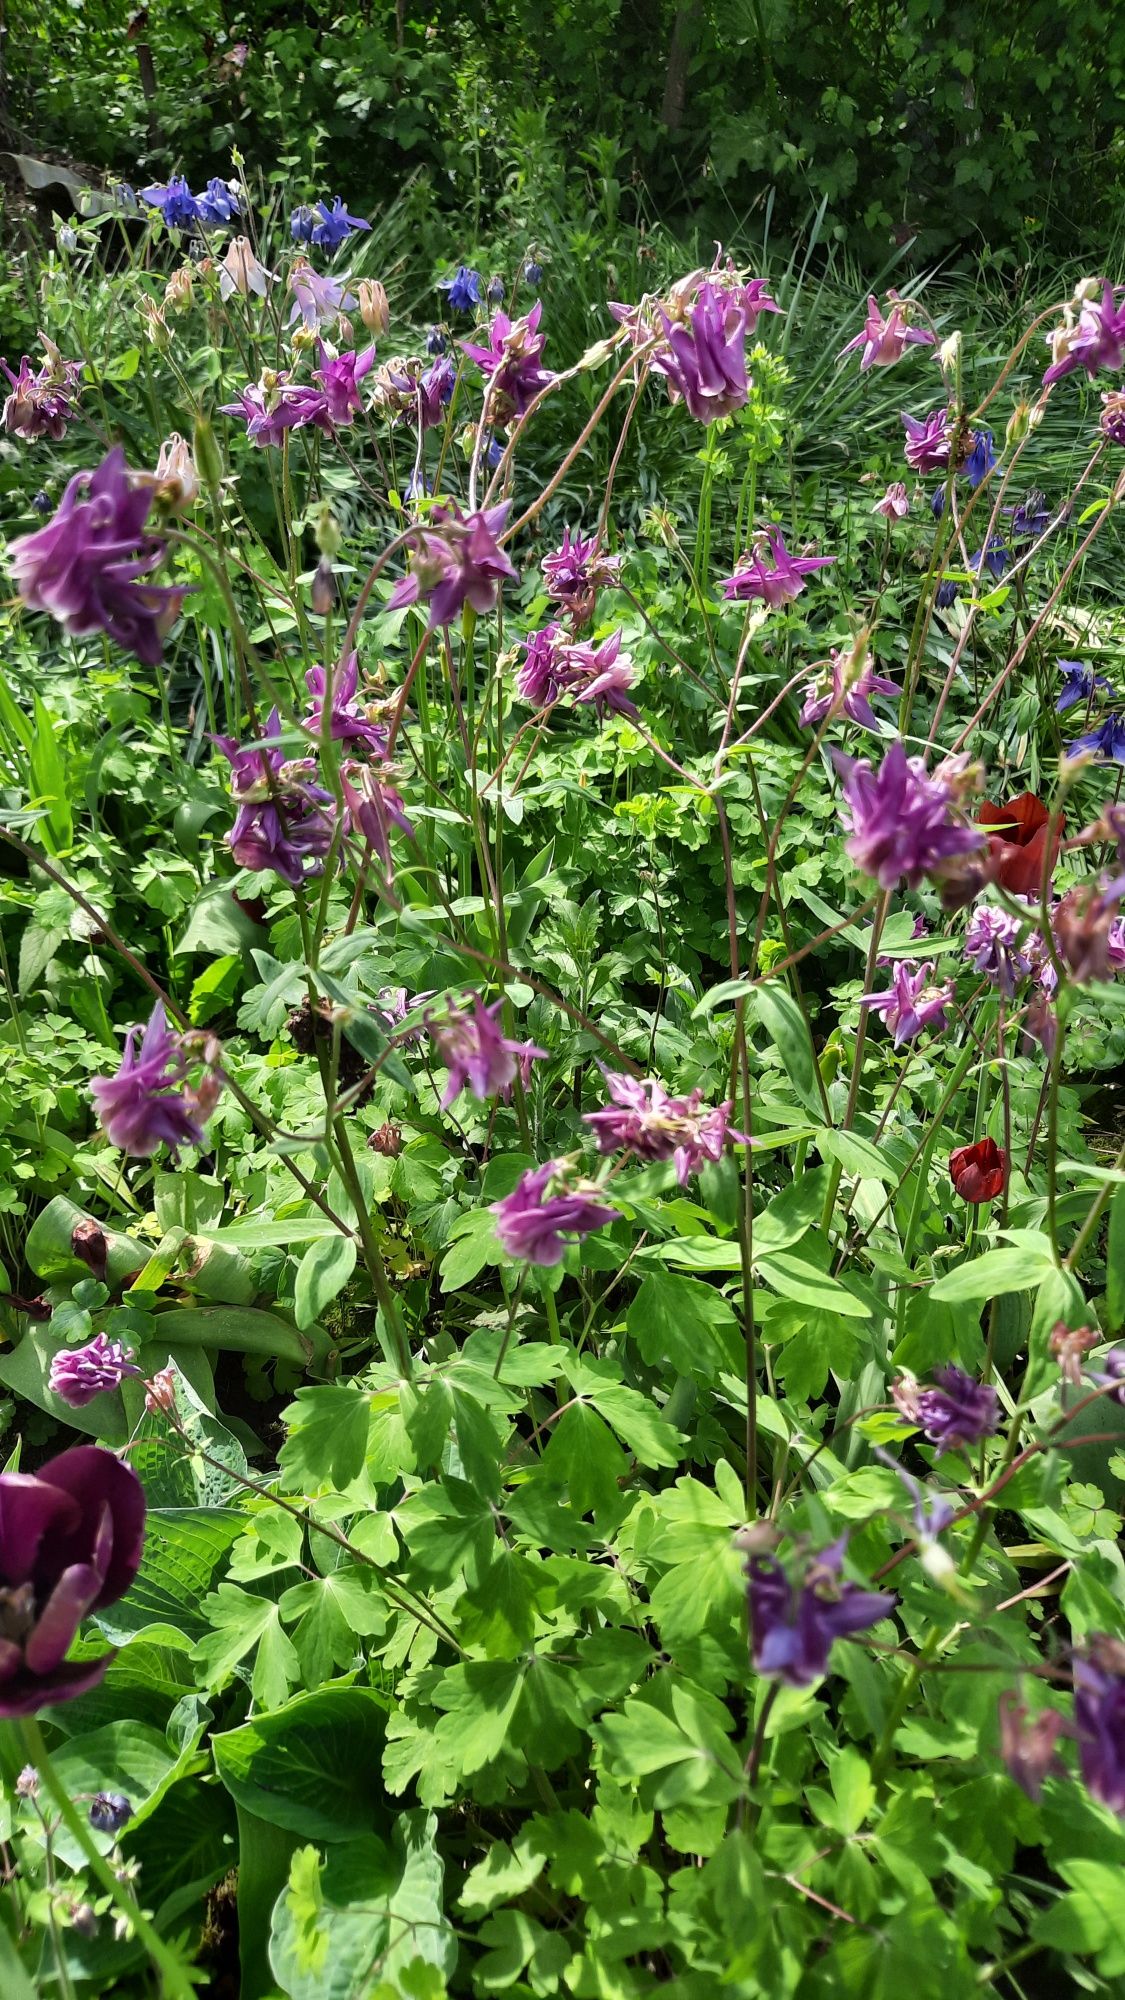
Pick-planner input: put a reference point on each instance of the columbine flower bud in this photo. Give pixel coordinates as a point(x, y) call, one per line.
point(27, 1784)
point(88, 1243)
point(949, 353)
point(241, 272)
point(155, 326)
point(67, 239)
point(179, 291)
point(84, 1919)
point(177, 480)
point(322, 595)
point(208, 457)
point(1018, 425)
point(346, 330)
point(160, 1392)
point(374, 306)
point(387, 1141)
point(328, 532)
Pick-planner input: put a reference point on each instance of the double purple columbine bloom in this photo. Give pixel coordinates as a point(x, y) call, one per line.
point(574, 574)
point(510, 363)
point(284, 822)
point(457, 560)
point(78, 1374)
point(901, 819)
point(41, 402)
point(642, 1118)
point(146, 1105)
point(71, 1540)
point(928, 441)
point(87, 565)
point(776, 581)
point(547, 1205)
point(349, 721)
point(596, 676)
point(477, 1055)
point(793, 1625)
point(992, 947)
point(1099, 1719)
point(911, 1003)
point(703, 353)
point(275, 405)
point(957, 1411)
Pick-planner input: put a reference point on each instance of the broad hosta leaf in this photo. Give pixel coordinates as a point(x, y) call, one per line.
point(312, 1767)
point(184, 1549)
point(371, 1904)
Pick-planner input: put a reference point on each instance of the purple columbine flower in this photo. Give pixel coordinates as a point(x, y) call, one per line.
point(110, 1812)
point(176, 202)
point(911, 1003)
point(433, 392)
point(284, 822)
point(1097, 341)
point(643, 1119)
point(1112, 424)
point(1027, 1748)
point(980, 459)
point(574, 574)
point(87, 565)
point(540, 677)
point(885, 341)
point(793, 1625)
point(328, 227)
point(462, 290)
point(1030, 518)
point(902, 827)
point(510, 363)
point(1079, 682)
point(1107, 740)
point(78, 1374)
point(456, 561)
point(958, 1411)
point(146, 1105)
point(350, 722)
point(339, 377)
point(71, 1540)
point(373, 806)
point(275, 405)
point(41, 403)
point(477, 1054)
point(1099, 1719)
point(703, 354)
point(992, 947)
point(318, 299)
point(600, 676)
point(218, 203)
point(928, 441)
point(849, 697)
point(546, 1205)
point(777, 581)
point(1113, 1373)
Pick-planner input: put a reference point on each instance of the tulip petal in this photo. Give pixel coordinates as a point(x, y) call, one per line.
point(97, 1479)
point(30, 1506)
point(73, 1596)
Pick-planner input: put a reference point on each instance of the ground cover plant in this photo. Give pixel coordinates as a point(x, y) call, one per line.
point(562, 1235)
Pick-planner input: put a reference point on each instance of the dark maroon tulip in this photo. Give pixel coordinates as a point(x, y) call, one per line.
point(71, 1538)
point(979, 1172)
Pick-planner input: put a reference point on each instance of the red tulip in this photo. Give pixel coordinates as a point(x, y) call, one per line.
point(1017, 841)
point(980, 1172)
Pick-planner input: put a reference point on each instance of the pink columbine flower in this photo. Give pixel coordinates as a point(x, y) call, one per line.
point(373, 807)
point(642, 1118)
point(894, 505)
point(241, 272)
point(777, 581)
point(146, 1105)
point(929, 441)
point(477, 1054)
point(318, 299)
point(885, 341)
point(510, 363)
point(540, 677)
point(1096, 341)
point(78, 1374)
point(600, 676)
point(457, 560)
point(912, 1002)
point(901, 819)
point(548, 1204)
point(87, 566)
point(849, 697)
point(575, 572)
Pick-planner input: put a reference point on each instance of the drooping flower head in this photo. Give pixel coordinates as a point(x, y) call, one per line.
point(42, 401)
point(703, 353)
point(885, 341)
point(1087, 933)
point(912, 1003)
point(148, 1104)
point(1107, 740)
point(957, 1411)
point(511, 363)
point(574, 574)
point(768, 571)
point(241, 272)
point(326, 225)
point(846, 690)
point(541, 675)
point(642, 1118)
point(793, 1623)
point(1031, 518)
point(88, 564)
point(350, 721)
point(218, 203)
point(980, 459)
point(1099, 1719)
point(434, 391)
point(275, 405)
point(175, 201)
point(339, 376)
point(895, 503)
point(598, 676)
point(110, 1812)
point(992, 947)
point(1079, 683)
point(462, 290)
point(548, 1204)
point(979, 1172)
point(902, 822)
point(1017, 841)
point(1112, 425)
point(373, 806)
point(318, 299)
point(457, 560)
point(284, 821)
point(1027, 1747)
point(78, 1374)
point(477, 1055)
point(71, 1539)
point(929, 441)
point(1095, 340)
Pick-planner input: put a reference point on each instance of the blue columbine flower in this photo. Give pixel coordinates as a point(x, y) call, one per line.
point(981, 458)
point(302, 222)
point(1079, 682)
point(437, 340)
point(335, 225)
point(994, 557)
point(946, 593)
point(218, 203)
point(462, 289)
point(937, 502)
point(1031, 517)
point(532, 274)
point(176, 202)
point(495, 293)
point(1107, 740)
